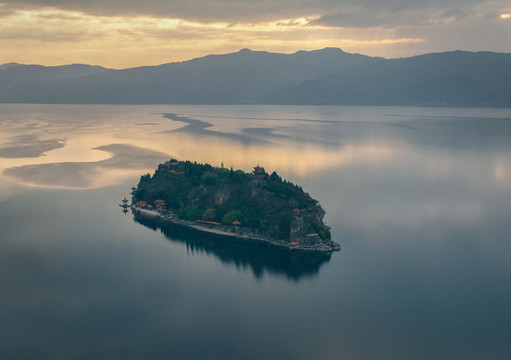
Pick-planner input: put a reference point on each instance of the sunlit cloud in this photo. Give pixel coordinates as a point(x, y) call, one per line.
point(164, 31)
point(383, 41)
point(141, 40)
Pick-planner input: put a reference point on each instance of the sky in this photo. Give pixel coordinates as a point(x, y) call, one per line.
point(129, 33)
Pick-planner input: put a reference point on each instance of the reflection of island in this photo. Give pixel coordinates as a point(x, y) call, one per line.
point(256, 256)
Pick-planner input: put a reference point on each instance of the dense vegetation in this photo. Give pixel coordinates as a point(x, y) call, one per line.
point(264, 203)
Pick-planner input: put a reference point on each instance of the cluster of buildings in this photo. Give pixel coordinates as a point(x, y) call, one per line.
point(159, 205)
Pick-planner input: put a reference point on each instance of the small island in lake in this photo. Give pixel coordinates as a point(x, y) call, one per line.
point(252, 206)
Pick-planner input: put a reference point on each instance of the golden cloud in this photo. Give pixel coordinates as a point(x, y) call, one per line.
point(55, 37)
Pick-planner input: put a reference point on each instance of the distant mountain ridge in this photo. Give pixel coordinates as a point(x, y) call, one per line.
point(457, 78)
point(322, 77)
point(9, 65)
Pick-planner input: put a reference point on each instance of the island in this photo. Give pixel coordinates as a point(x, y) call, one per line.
point(254, 206)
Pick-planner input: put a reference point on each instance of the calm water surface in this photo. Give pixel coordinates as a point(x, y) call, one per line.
point(418, 198)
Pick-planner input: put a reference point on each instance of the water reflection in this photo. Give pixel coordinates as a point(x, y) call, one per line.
point(124, 159)
point(259, 258)
point(49, 145)
point(199, 127)
point(58, 146)
point(24, 146)
point(419, 199)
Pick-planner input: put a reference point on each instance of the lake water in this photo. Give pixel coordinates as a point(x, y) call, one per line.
point(418, 198)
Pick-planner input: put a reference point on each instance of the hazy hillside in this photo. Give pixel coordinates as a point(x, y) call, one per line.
point(453, 78)
point(17, 81)
point(242, 77)
point(327, 76)
point(9, 65)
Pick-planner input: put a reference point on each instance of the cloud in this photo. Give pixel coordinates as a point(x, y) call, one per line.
point(357, 19)
point(377, 17)
point(122, 33)
point(193, 10)
point(48, 26)
point(237, 10)
point(483, 35)
point(347, 13)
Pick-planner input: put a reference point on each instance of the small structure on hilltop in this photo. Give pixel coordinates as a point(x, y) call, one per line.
point(259, 172)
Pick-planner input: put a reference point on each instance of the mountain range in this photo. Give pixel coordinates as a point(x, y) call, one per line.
point(322, 77)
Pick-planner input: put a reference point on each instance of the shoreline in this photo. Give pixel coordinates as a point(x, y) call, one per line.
point(155, 215)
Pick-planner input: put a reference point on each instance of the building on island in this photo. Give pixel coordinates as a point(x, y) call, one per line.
point(259, 172)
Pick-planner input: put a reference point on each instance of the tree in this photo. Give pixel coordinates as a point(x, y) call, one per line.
point(190, 212)
point(144, 179)
point(233, 215)
point(209, 178)
point(209, 214)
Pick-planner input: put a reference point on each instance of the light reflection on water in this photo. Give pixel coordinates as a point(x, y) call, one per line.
point(417, 197)
point(295, 143)
point(219, 143)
